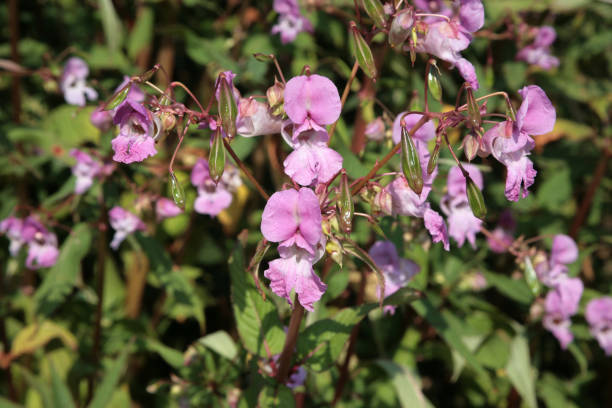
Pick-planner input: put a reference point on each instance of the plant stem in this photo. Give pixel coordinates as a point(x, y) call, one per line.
point(292, 335)
point(5, 344)
point(246, 171)
point(13, 10)
point(345, 93)
point(363, 181)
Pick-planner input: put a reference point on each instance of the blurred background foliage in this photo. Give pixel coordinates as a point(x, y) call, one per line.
point(171, 298)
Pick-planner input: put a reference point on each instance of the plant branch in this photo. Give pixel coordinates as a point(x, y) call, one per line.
point(292, 335)
point(345, 93)
point(246, 171)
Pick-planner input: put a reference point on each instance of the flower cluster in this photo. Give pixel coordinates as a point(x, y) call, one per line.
point(291, 22)
point(599, 315)
point(124, 223)
point(73, 83)
point(538, 53)
point(42, 244)
point(85, 170)
point(213, 197)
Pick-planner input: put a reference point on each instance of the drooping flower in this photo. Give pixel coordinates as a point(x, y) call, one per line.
point(212, 197)
point(561, 303)
point(564, 252)
point(85, 170)
point(124, 223)
point(538, 53)
point(510, 143)
point(135, 141)
point(42, 244)
point(436, 227)
point(255, 119)
point(599, 315)
point(291, 22)
point(166, 208)
point(73, 85)
point(375, 130)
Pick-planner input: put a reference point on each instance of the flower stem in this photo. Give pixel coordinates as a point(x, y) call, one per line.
point(292, 335)
point(246, 171)
point(345, 93)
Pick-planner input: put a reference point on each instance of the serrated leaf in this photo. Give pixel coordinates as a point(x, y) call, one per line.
point(62, 277)
point(35, 336)
point(104, 390)
point(406, 385)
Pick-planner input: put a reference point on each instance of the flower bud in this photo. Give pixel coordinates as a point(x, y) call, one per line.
point(433, 82)
point(532, 278)
point(375, 10)
point(475, 198)
point(275, 95)
point(228, 110)
point(412, 45)
point(474, 119)
point(363, 54)
point(168, 120)
point(334, 249)
point(216, 157)
point(263, 57)
point(119, 97)
point(471, 144)
point(178, 194)
point(383, 203)
point(433, 159)
point(345, 205)
point(411, 166)
point(401, 27)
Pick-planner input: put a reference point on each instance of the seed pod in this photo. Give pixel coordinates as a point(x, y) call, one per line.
point(411, 166)
point(228, 110)
point(363, 54)
point(178, 194)
point(413, 45)
point(474, 119)
point(475, 198)
point(401, 27)
point(532, 278)
point(345, 205)
point(375, 10)
point(216, 157)
point(118, 97)
point(433, 159)
point(263, 57)
point(433, 82)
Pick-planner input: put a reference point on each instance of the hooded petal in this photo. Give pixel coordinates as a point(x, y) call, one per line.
point(213, 201)
point(280, 219)
point(314, 97)
point(471, 15)
point(537, 114)
point(310, 216)
point(564, 250)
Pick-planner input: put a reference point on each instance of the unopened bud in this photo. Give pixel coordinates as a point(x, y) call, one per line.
point(275, 95)
point(228, 110)
point(433, 159)
point(363, 54)
point(433, 82)
point(413, 45)
point(263, 57)
point(401, 27)
point(475, 198)
point(471, 144)
point(345, 205)
point(473, 109)
point(383, 203)
point(532, 278)
point(118, 97)
point(178, 194)
point(168, 120)
point(411, 166)
point(216, 157)
point(376, 11)
point(334, 249)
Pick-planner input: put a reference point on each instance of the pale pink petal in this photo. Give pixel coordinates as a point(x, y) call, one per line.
point(437, 228)
point(280, 218)
point(564, 250)
point(536, 114)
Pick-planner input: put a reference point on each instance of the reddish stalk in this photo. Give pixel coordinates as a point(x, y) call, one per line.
point(246, 171)
point(345, 93)
point(292, 335)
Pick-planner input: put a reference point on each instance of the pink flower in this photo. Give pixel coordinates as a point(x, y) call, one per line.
point(124, 223)
point(85, 170)
point(212, 198)
point(599, 315)
point(538, 53)
point(255, 119)
point(42, 244)
point(311, 101)
point(561, 304)
point(13, 227)
point(456, 183)
point(564, 252)
point(135, 141)
point(510, 143)
point(404, 201)
point(73, 85)
point(424, 134)
point(397, 271)
point(436, 227)
point(291, 22)
point(166, 208)
point(375, 130)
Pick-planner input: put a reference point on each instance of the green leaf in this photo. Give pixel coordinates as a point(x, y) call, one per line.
point(170, 355)
point(519, 370)
point(221, 343)
point(512, 288)
point(37, 384)
point(104, 390)
point(59, 390)
point(69, 127)
point(257, 320)
point(141, 35)
point(113, 30)
point(5, 403)
point(62, 277)
point(32, 337)
point(406, 385)
point(276, 397)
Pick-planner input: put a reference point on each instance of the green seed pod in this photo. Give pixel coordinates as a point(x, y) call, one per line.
point(401, 27)
point(216, 157)
point(471, 144)
point(375, 10)
point(228, 110)
point(532, 278)
point(413, 44)
point(263, 57)
point(346, 208)
point(433, 159)
point(475, 198)
point(178, 194)
point(433, 82)
point(474, 119)
point(118, 97)
point(363, 54)
point(168, 120)
point(411, 166)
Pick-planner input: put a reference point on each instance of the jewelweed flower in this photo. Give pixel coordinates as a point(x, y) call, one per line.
point(538, 53)
point(85, 170)
point(291, 22)
point(561, 303)
point(437, 227)
point(599, 315)
point(12, 227)
point(564, 252)
point(166, 208)
point(135, 141)
point(375, 130)
point(73, 85)
point(536, 116)
point(213, 197)
point(42, 244)
point(124, 223)
point(502, 236)
point(255, 119)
